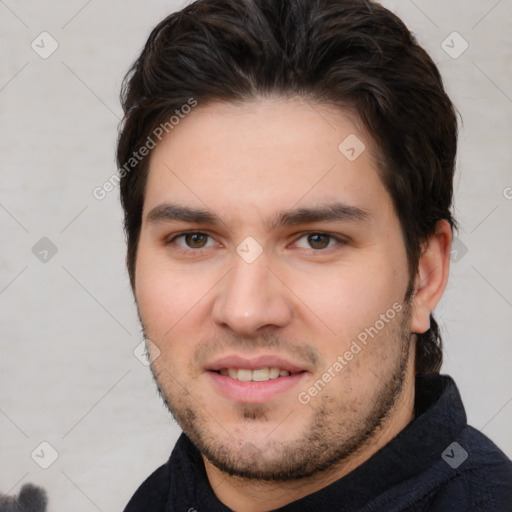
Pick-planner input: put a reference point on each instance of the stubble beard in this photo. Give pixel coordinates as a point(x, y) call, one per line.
point(324, 445)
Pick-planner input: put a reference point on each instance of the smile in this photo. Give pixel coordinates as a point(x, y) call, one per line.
point(256, 375)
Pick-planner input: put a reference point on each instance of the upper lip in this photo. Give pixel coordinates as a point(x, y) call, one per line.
point(254, 363)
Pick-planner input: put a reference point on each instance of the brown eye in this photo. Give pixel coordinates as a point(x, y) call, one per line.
point(319, 240)
point(195, 240)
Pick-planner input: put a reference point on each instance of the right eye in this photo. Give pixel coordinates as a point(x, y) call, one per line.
point(192, 240)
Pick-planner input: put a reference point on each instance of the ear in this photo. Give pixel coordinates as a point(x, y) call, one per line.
point(432, 276)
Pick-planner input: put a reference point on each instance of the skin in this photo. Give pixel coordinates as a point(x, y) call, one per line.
point(303, 298)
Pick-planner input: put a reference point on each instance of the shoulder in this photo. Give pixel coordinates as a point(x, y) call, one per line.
point(153, 493)
point(482, 481)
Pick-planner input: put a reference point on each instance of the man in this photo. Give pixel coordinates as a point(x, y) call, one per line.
point(286, 176)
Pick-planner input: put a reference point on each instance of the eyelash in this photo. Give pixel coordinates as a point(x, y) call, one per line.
point(336, 238)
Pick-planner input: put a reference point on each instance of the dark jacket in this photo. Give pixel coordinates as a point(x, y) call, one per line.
point(437, 463)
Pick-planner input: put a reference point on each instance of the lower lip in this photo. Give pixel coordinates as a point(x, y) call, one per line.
point(251, 391)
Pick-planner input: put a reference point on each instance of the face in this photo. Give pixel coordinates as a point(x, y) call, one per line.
point(270, 280)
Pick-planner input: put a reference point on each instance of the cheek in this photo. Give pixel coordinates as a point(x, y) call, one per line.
point(166, 307)
point(163, 295)
point(345, 301)
point(174, 303)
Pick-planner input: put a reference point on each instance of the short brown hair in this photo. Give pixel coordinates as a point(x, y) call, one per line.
point(345, 53)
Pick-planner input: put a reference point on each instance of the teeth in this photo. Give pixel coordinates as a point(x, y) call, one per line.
point(261, 375)
point(274, 373)
point(245, 375)
point(258, 375)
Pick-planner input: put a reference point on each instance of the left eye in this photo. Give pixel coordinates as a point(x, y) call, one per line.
point(192, 240)
point(317, 241)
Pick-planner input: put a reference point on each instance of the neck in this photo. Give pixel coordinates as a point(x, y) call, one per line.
point(246, 495)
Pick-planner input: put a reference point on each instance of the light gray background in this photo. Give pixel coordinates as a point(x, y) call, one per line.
point(68, 375)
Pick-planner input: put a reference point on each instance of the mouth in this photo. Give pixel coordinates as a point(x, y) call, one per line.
point(257, 375)
point(255, 380)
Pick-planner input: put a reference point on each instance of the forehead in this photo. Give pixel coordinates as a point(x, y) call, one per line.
point(265, 155)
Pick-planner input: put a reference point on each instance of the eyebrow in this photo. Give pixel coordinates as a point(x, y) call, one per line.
point(328, 212)
point(170, 212)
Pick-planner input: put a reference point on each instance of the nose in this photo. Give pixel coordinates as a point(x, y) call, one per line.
point(251, 299)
